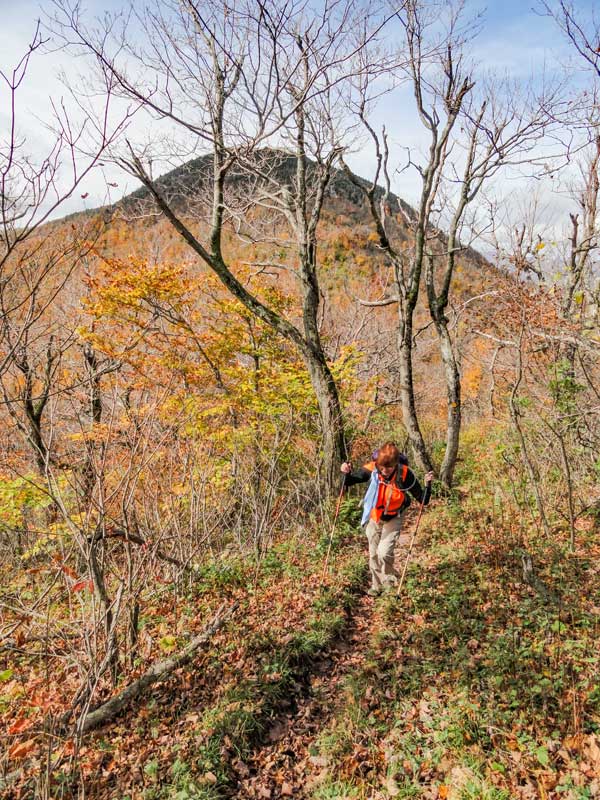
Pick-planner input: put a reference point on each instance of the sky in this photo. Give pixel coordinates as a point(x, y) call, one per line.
point(513, 39)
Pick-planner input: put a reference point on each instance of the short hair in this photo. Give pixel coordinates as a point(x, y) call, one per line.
point(388, 456)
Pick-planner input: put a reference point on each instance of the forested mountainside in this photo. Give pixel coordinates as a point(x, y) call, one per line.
point(353, 267)
point(189, 187)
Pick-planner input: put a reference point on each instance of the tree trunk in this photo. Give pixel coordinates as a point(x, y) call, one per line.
point(454, 415)
point(330, 411)
point(407, 396)
point(323, 383)
point(88, 470)
point(96, 570)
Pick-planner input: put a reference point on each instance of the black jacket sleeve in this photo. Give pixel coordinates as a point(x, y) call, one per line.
point(412, 485)
point(361, 475)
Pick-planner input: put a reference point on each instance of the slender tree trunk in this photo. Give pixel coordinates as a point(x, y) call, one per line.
point(37, 441)
point(88, 473)
point(437, 310)
point(324, 386)
point(407, 392)
point(157, 671)
point(330, 411)
point(454, 414)
point(323, 382)
point(34, 405)
point(98, 580)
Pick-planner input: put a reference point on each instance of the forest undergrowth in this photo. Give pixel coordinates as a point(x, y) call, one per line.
point(480, 680)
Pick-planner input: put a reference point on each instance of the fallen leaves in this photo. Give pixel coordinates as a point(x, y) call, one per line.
point(21, 750)
point(20, 724)
point(592, 751)
point(416, 676)
point(82, 585)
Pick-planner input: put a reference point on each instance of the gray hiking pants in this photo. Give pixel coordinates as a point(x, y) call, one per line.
point(382, 537)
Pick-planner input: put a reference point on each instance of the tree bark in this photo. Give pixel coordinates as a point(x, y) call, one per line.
point(407, 396)
point(437, 309)
point(454, 414)
point(88, 471)
point(330, 410)
point(96, 570)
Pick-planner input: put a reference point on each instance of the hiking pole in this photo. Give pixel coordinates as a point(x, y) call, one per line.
point(410, 547)
point(335, 516)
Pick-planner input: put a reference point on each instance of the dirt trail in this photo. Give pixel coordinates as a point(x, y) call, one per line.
point(288, 764)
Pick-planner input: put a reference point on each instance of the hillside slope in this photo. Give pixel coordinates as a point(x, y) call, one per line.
point(352, 267)
point(476, 682)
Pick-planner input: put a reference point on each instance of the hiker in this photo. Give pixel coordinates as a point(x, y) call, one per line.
point(384, 504)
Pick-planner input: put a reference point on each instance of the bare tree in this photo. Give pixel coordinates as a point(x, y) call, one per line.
point(232, 78)
point(581, 29)
point(35, 262)
point(471, 136)
point(579, 286)
point(499, 130)
point(554, 417)
point(408, 264)
point(580, 290)
point(26, 398)
point(37, 258)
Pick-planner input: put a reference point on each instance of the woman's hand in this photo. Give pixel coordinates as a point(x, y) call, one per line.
point(429, 477)
point(346, 468)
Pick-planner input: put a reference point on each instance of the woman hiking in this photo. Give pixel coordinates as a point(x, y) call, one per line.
point(384, 504)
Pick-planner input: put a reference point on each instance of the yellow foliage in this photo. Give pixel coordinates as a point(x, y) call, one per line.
point(472, 381)
point(472, 376)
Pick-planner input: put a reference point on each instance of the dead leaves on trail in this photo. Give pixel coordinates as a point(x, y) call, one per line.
point(21, 749)
point(436, 700)
point(287, 765)
point(421, 694)
point(192, 730)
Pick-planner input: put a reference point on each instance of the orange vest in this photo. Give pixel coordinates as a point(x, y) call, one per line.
point(390, 497)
